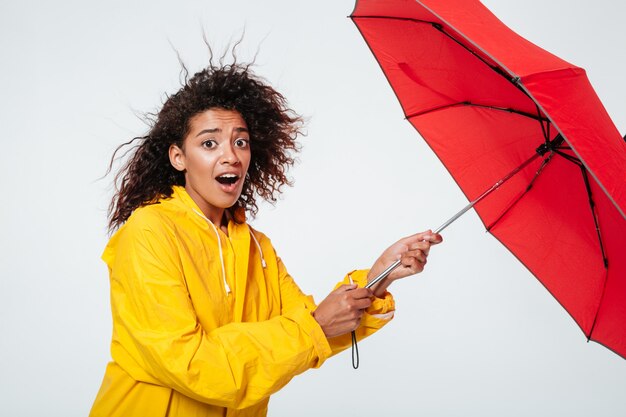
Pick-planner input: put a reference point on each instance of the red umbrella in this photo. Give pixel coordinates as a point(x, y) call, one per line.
point(495, 107)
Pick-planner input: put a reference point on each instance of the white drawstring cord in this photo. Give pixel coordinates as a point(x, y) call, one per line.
point(219, 243)
point(258, 247)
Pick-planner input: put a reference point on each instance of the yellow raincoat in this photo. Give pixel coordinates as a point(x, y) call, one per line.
point(183, 344)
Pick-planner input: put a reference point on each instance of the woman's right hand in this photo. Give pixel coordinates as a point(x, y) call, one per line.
point(340, 312)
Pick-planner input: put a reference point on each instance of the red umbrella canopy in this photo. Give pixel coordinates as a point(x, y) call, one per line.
point(486, 100)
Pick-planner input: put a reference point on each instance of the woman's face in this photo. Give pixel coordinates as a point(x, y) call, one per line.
point(215, 157)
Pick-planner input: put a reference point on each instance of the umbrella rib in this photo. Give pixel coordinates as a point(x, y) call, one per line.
point(484, 106)
point(544, 129)
point(439, 27)
point(592, 205)
point(604, 258)
point(570, 158)
point(595, 318)
point(528, 188)
point(406, 19)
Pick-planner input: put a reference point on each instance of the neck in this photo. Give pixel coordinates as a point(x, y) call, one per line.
point(217, 219)
point(216, 215)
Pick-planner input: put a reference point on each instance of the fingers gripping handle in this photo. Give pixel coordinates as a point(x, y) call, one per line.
point(397, 263)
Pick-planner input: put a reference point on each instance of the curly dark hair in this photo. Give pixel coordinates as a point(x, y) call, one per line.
point(148, 174)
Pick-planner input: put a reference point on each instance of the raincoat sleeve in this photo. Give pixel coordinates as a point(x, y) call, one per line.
point(375, 317)
point(157, 331)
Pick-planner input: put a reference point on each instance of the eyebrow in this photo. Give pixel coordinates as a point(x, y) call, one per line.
point(218, 130)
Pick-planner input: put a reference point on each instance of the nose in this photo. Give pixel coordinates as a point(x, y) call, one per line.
point(229, 156)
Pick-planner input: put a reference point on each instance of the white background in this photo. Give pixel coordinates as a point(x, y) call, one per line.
point(474, 335)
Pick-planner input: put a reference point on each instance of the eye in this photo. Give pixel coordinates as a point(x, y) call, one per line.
point(209, 144)
point(242, 143)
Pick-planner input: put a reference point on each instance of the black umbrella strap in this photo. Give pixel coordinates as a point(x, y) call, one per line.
point(355, 351)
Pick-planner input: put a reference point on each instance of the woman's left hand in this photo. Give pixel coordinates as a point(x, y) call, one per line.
point(412, 251)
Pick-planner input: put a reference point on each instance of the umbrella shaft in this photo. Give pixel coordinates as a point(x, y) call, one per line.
point(451, 220)
point(459, 214)
point(486, 193)
point(383, 274)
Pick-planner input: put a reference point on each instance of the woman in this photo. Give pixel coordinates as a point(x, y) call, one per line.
point(206, 319)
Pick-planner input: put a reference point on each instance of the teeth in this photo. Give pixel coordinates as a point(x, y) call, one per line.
point(228, 178)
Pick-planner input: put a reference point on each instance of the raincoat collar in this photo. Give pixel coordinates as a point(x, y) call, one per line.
point(179, 193)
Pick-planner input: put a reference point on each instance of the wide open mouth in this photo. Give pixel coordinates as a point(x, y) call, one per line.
point(227, 179)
